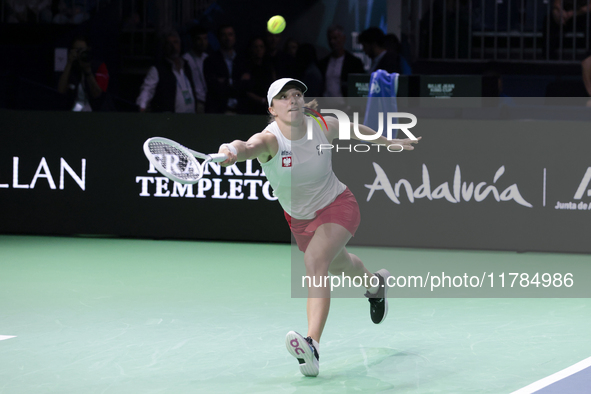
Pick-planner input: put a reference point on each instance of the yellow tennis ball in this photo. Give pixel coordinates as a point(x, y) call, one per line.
point(276, 24)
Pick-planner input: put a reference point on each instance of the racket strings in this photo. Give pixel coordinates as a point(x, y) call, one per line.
point(175, 161)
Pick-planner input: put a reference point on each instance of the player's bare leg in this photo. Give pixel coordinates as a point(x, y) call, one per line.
point(329, 239)
point(350, 265)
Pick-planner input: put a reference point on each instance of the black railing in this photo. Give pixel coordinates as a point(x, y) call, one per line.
point(502, 30)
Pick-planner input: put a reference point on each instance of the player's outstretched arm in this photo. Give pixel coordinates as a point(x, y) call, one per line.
point(257, 146)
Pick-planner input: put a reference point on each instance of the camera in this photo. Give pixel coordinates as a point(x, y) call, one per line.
point(84, 55)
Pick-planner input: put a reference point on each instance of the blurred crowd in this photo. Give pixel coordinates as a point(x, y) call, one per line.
point(192, 76)
point(49, 11)
point(201, 80)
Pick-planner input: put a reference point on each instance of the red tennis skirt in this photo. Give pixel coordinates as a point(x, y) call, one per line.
point(344, 210)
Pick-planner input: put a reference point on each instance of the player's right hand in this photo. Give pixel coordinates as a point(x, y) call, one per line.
point(232, 158)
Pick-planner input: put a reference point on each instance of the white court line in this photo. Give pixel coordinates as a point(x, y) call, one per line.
point(548, 380)
point(3, 337)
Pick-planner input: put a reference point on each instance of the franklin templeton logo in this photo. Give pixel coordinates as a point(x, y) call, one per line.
point(236, 182)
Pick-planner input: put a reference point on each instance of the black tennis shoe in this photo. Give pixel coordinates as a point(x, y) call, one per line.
point(379, 302)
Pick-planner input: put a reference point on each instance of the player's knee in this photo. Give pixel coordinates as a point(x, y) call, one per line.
point(316, 264)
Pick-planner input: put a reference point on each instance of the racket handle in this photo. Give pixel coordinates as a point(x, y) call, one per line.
point(218, 157)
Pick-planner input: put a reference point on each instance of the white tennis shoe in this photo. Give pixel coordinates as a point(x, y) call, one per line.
point(304, 351)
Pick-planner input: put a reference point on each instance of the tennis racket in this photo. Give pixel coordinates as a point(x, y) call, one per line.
point(177, 162)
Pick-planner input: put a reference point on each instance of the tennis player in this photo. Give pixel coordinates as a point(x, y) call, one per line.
point(321, 211)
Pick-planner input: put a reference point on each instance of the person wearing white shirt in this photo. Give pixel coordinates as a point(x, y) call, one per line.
point(168, 86)
point(195, 58)
point(337, 66)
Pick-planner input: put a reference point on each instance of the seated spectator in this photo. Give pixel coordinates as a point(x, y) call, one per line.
point(168, 86)
point(374, 46)
point(195, 57)
point(84, 80)
point(223, 70)
point(255, 80)
point(336, 67)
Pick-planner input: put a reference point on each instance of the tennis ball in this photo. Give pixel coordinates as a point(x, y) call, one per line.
point(276, 24)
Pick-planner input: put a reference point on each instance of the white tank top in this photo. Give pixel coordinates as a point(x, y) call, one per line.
point(301, 175)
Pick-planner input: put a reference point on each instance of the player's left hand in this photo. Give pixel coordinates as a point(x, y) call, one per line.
point(406, 143)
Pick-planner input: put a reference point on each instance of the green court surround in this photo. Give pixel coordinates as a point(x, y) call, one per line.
point(107, 315)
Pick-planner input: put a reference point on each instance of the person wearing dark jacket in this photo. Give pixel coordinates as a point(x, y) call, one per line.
point(373, 42)
point(337, 66)
point(258, 75)
point(168, 86)
point(223, 70)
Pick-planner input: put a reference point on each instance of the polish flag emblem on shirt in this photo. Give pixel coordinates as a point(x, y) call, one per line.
point(286, 161)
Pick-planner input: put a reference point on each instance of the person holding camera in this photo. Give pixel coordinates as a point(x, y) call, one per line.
point(84, 88)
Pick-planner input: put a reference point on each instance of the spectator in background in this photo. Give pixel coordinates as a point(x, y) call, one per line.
point(307, 71)
point(586, 66)
point(28, 11)
point(168, 86)
point(223, 70)
point(373, 41)
point(255, 80)
point(279, 59)
point(195, 57)
point(336, 67)
point(291, 48)
point(563, 20)
point(83, 80)
point(69, 11)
